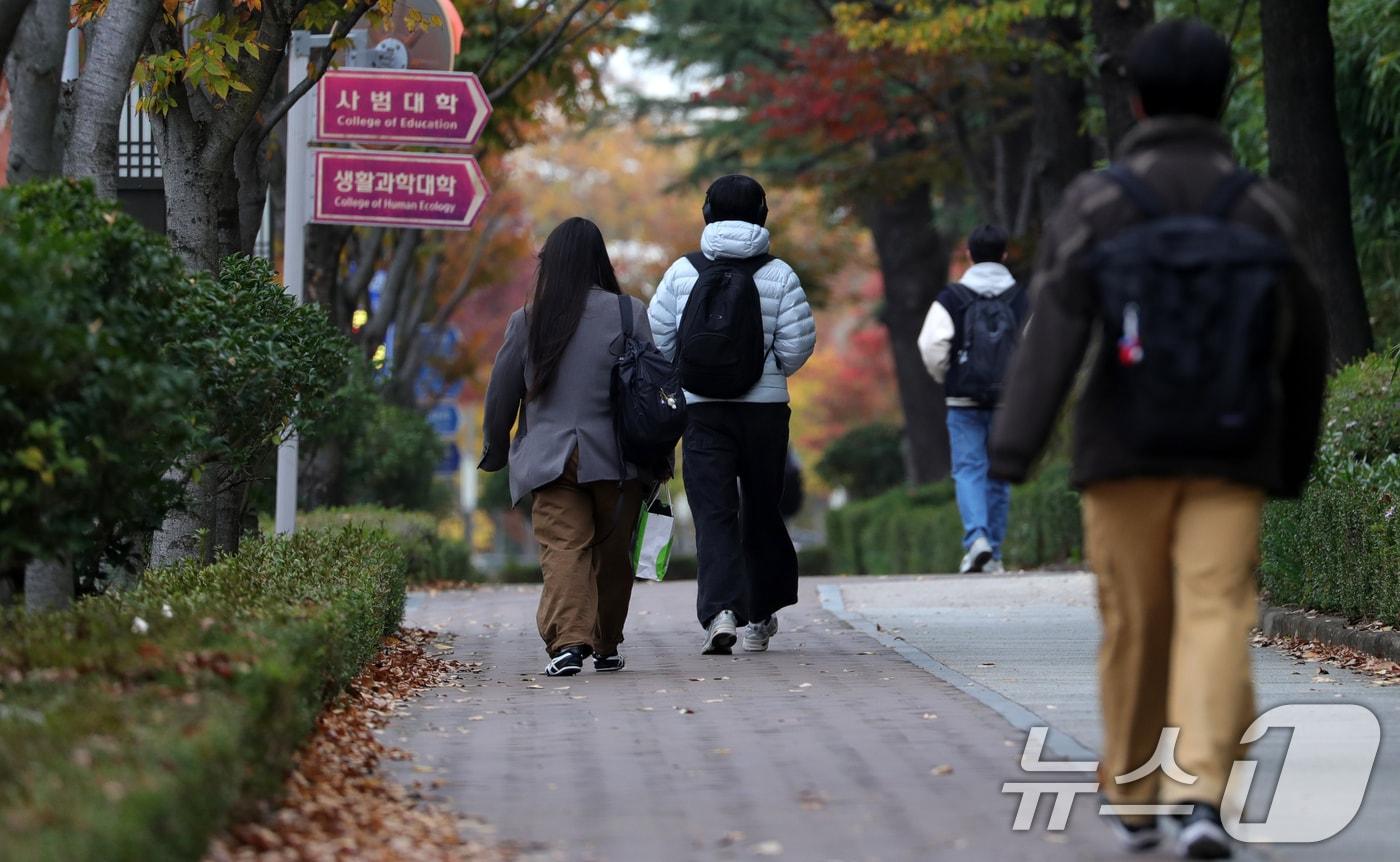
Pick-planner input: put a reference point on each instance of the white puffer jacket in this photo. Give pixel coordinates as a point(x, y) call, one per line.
point(787, 318)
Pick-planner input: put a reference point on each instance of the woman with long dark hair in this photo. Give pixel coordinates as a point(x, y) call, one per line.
point(554, 372)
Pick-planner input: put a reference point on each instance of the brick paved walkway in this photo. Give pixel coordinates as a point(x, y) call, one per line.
point(828, 747)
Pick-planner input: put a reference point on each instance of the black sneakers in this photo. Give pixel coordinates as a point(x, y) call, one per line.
point(566, 662)
point(1135, 837)
point(1202, 836)
point(608, 663)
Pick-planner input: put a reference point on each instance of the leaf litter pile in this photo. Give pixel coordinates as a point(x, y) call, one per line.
point(336, 805)
point(1382, 671)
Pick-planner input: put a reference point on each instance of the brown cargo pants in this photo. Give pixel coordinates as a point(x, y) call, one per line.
point(587, 587)
point(1175, 560)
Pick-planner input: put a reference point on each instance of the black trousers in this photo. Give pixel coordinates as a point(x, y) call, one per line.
point(736, 453)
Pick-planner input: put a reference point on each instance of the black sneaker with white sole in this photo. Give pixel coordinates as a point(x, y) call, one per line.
point(566, 662)
point(608, 663)
point(1134, 837)
point(1202, 836)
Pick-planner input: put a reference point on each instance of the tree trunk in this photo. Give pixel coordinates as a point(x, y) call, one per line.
point(11, 12)
point(226, 504)
point(102, 88)
point(1306, 155)
point(914, 265)
point(34, 68)
point(178, 537)
point(1116, 24)
point(49, 585)
point(1060, 150)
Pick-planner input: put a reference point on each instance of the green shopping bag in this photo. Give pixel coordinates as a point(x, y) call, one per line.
point(651, 542)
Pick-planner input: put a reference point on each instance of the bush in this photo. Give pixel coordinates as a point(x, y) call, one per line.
point(1338, 548)
point(92, 410)
point(392, 459)
point(907, 532)
point(127, 743)
point(1045, 525)
point(866, 461)
point(429, 556)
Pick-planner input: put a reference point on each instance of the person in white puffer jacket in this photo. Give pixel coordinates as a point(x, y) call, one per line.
point(734, 447)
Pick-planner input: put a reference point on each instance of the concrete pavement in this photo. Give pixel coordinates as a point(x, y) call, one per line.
point(828, 747)
point(1031, 639)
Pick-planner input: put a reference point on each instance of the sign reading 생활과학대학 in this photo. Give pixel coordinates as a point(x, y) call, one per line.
point(428, 190)
point(386, 106)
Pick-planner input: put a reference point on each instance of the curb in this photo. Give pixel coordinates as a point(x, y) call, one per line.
point(1330, 630)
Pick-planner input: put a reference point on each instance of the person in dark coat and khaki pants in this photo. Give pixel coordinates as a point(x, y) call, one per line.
point(554, 372)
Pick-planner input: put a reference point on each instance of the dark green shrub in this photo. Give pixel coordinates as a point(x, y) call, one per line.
point(1338, 548)
point(391, 461)
point(1045, 525)
point(429, 556)
point(92, 408)
point(866, 461)
point(138, 741)
point(910, 532)
point(814, 561)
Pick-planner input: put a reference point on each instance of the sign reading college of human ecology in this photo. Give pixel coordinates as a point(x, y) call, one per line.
point(443, 191)
point(382, 106)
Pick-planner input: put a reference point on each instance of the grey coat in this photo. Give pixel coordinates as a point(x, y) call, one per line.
point(574, 412)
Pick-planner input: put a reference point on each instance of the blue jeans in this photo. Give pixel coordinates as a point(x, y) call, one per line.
point(983, 502)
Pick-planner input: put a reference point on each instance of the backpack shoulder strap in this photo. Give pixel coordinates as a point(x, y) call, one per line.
point(1139, 192)
point(751, 265)
point(624, 305)
point(699, 261)
point(1228, 193)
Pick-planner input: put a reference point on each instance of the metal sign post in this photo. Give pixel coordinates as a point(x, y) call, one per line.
point(294, 239)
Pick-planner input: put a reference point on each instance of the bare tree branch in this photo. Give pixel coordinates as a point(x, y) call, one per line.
point(540, 53)
point(500, 46)
point(399, 269)
point(344, 25)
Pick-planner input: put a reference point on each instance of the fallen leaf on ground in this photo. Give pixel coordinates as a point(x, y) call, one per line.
point(942, 769)
point(337, 804)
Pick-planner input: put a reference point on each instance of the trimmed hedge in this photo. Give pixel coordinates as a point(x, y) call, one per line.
point(904, 532)
point(135, 725)
point(428, 554)
point(1338, 548)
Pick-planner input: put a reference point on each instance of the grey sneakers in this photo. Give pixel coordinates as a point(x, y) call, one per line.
point(721, 634)
point(977, 558)
point(756, 635)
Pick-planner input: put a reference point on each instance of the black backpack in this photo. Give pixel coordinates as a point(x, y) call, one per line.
point(1191, 313)
point(647, 402)
point(991, 330)
point(721, 353)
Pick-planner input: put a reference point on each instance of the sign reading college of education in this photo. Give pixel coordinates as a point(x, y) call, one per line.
point(439, 191)
point(382, 106)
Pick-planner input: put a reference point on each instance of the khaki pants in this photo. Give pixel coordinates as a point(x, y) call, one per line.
point(587, 588)
point(1175, 560)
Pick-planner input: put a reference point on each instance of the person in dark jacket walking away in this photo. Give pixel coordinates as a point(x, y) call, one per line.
point(737, 323)
point(1204, 397)
point(966, 343)
point(554, 372)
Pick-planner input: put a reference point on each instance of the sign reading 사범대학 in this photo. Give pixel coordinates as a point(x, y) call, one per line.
point(428, 190)
point(385, 106)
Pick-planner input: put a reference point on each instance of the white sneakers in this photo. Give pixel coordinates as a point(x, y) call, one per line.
point(721, 634)
point(756, 635)
point(977, 557)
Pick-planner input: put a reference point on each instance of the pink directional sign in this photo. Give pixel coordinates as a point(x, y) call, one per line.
point(386, 106)
point(429, 190)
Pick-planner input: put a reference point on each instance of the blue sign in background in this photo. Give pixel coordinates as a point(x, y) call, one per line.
point(451, 459)
point(446, 419)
